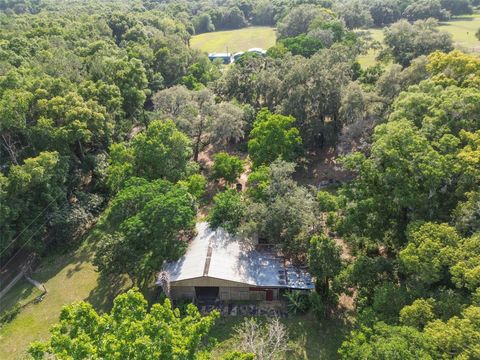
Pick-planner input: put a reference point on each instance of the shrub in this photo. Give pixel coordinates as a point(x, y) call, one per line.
point(298, 302)
point(227, 167)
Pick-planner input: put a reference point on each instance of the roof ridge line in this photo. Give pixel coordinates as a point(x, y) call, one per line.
point(206, 268)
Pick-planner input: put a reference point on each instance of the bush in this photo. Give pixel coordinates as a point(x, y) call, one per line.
point(418, 314)
point(227, 167)
point(298, 302)
point(302, 45)
point(8, 315)
point(196, 185)
point(327, 202)
point(317, 305)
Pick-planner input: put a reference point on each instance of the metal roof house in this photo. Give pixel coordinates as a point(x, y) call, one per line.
point(226, 58)
point(258, 51)
point(238, 55)
point(219, 266)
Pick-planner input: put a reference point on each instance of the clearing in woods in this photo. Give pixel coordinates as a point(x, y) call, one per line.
point(68, 277)
point(463, 31)
point(235, 40)
point(72, 277)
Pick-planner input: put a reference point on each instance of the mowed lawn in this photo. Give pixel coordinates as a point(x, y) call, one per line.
point(309, 339)
point(463, 32)
point(235, 40)
point(462, 29)
point(369, 58)
point(68, 278)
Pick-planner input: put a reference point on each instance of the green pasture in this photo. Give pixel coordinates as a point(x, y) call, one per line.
point(463, 31)
point(235, 40)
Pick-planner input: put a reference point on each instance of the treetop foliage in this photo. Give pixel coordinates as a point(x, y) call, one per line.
point(129, 330)
point(109, 116)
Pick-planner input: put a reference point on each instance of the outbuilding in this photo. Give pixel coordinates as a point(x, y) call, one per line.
point(226, 58)
point(219, 266)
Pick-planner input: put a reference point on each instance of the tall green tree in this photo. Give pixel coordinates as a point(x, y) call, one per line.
point(146, 224)
point(429, 251)
point(279, 210)
point(159, 152)
point(407, 41)
point(272, 137)
point(198, 115)
point(30, 194)
point(228, 211)
point(401, 181)
point(324, 261)
point(130, 330)
point(227, 167)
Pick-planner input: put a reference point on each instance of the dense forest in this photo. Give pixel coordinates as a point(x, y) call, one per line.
point(112, 126)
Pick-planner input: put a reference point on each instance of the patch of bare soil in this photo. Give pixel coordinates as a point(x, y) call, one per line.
point(205, 157)
point(322, 167)
point(346, 303)
point(135, 130)
point(345, 255)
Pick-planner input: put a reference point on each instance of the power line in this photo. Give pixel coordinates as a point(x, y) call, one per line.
point(38, 228)
point(36, 217)
point(28, 240)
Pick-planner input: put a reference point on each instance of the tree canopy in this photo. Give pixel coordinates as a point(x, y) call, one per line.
point(116, 131)
point(129, 330)
point(148, 222)
point(272, 137)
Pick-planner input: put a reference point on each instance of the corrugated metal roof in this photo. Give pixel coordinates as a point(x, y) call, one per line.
point(217, 254)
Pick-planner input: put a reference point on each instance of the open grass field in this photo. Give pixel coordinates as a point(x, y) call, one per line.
point(369, 59)
point(235, 40)
point(463, 31)
point(21, 294)
point(68, 278)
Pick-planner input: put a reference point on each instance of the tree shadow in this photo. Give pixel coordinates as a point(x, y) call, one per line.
point(316, 339)
point(224, 327)
point(108, 287)
point(51, 265)
point(20, 294)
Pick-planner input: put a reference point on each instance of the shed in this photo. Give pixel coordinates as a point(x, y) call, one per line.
point(258, 51)
point(220, 266)
point(226, 58)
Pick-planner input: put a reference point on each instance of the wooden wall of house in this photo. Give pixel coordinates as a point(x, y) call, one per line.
point(226, 293)
point(182, 293)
